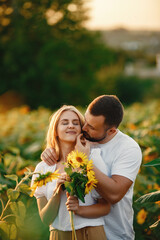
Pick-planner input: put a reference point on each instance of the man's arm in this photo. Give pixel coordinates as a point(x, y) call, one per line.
point(99, 209)
point(49, 156)
point(112, 189)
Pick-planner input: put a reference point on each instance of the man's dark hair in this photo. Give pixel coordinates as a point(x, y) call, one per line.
point(110, 107)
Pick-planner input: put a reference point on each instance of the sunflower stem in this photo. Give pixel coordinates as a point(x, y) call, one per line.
point(74, 237)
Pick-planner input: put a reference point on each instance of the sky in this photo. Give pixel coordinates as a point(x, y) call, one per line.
point(132, 14)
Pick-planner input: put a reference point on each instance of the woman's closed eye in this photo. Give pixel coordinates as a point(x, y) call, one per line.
point(74, 122)
point(64, 122)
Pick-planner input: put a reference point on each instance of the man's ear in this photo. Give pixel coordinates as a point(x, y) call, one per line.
point(112, 130)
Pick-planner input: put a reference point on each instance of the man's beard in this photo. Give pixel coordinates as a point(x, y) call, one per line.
point(86, 135)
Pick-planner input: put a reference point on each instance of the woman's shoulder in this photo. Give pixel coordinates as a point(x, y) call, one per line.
point(44, 167)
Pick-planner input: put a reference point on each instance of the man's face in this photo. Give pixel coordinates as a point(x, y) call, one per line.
point(94, 129)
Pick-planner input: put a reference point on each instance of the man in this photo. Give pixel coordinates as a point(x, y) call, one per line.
point(122, 157)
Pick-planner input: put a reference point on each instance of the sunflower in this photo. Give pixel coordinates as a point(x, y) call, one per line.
point(91, 184)
point(71, 161)
point(141, 216)
point(90, 174)
point(77, 159)
point(92, 181)
point(43, 179)
point(89, 165)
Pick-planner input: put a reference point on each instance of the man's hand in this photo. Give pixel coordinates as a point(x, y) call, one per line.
point(82, 145)
point(49, 156)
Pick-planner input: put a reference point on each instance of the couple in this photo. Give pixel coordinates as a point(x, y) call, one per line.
point(116, 158)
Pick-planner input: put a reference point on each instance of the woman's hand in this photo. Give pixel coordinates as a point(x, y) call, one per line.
point(72, 203)
point(82, 145)
point(61, 180)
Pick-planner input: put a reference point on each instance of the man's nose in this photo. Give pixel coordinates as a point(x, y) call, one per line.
point(84, 127)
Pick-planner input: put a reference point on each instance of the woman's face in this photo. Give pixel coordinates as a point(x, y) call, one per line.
point(68, 127)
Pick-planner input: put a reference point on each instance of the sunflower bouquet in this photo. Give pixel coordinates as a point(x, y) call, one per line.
point(81, 178)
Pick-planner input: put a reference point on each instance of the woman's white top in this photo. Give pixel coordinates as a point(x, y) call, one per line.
point(62, 221)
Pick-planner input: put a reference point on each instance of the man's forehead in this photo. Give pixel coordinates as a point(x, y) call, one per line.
point(94, 120)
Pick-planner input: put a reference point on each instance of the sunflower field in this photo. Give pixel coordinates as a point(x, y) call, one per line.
point(22, 139)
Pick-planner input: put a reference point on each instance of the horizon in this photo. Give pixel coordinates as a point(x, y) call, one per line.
point(125, 28)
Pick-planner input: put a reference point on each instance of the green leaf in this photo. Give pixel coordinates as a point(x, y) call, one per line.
point(156, 224)
point(149, 197)
point(14, 208)
point(4, 230)
point(21, 209)
point(19, 222)
point(154, 163)
point(68, 170)
point(14, 150)
point(75, 175)
point(7, 181)
point(2, 168)
point(80, 193)
point(12, 194)
point(13, 232)
point(12, 177)
point(83, 184)
point(3, 187)
point(24, 188)
point(18, 209)
point(68, 187)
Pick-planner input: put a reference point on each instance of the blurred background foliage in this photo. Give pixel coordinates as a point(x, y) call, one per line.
point(48, 58)
point(47, 55)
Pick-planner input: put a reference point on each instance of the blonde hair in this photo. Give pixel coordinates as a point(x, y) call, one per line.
point(51, 139)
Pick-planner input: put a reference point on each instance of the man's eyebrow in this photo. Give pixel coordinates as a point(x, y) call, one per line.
point(89, 124)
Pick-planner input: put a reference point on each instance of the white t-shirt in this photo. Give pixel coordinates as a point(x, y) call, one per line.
point(62, 221)
point(122, 156)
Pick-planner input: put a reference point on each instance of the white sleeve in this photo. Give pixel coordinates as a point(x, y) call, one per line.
point(40, 191)
point(95, 155)
point(127, 164)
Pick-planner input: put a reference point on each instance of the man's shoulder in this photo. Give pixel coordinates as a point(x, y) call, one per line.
point(123, 138)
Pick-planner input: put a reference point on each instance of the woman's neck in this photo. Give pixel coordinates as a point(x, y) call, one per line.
point(65, 149)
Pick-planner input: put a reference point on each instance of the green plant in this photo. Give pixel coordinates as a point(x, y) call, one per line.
point(14, 211)
point(152, 197)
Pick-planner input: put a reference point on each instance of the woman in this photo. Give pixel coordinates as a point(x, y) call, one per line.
point(65, 126)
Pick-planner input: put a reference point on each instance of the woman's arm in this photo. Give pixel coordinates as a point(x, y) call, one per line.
point(99, 209)
point(48, 210)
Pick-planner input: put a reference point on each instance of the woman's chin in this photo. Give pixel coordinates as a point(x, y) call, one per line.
point(71, 140)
